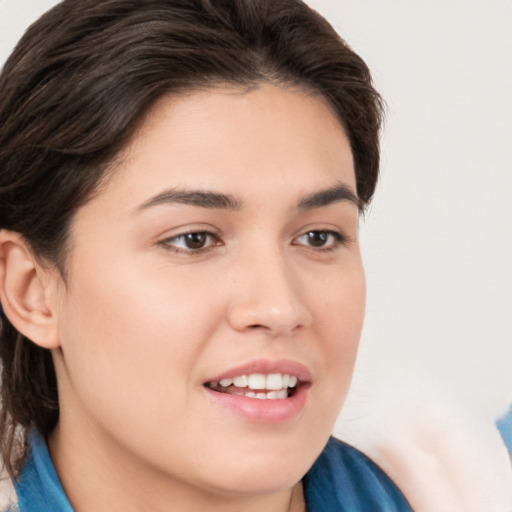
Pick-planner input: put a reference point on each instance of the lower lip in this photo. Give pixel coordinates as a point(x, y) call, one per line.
point(262, 410)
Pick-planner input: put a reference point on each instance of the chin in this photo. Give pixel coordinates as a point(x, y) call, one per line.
point(266, 470)
point(258, 481)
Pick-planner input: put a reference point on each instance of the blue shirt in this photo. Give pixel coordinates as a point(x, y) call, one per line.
point(504, 425)
point(342, 479)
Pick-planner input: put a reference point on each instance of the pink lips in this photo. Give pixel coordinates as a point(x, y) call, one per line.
point(264, 411)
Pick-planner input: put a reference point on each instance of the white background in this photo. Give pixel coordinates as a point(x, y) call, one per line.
point(437, 241)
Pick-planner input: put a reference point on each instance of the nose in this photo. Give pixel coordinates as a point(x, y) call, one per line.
point(269, 298)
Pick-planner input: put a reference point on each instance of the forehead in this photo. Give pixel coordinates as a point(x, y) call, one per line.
point(236, 140)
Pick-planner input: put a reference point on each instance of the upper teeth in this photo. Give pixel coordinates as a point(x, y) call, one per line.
point(272, 381)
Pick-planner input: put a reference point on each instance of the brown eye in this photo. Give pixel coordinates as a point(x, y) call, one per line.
point(317, 238)
point(195, 240)
point(320, 239)
point(191, 242)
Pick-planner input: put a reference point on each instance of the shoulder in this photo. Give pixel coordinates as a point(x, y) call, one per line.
point(343, 478)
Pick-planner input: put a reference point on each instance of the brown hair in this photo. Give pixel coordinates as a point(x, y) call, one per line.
point(73, 92)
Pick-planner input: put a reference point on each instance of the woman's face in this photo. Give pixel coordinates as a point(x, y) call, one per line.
point(221, 256)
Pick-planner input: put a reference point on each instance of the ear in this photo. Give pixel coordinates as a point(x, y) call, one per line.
point(28, 291)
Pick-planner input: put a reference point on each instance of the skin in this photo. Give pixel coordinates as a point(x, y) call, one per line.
point(143, 321)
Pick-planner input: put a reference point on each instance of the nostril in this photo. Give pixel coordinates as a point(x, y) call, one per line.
point(263, 315)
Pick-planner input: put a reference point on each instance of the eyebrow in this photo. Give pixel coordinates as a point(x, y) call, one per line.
point(339, 192)
point(215, 200)
point(200, 198)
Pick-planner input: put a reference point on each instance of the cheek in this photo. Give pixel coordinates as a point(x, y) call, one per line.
point(133, 335)
point(341, 315)
point(341, 304)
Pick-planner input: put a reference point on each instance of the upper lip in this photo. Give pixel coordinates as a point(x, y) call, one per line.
point(266, 366)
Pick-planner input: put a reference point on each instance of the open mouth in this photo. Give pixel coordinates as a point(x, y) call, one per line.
point(273, 386)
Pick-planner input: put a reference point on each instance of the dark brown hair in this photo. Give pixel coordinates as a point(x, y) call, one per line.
point(73, 92)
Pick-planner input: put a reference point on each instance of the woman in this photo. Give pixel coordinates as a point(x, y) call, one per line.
point(180, 273)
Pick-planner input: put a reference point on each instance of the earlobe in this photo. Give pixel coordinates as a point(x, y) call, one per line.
point(25, 292)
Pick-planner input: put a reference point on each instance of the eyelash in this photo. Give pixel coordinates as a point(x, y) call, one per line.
point(168, 242)
point(337, 239)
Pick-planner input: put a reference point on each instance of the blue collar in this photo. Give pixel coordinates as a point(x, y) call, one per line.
point(341, 479)
point(38, 488)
